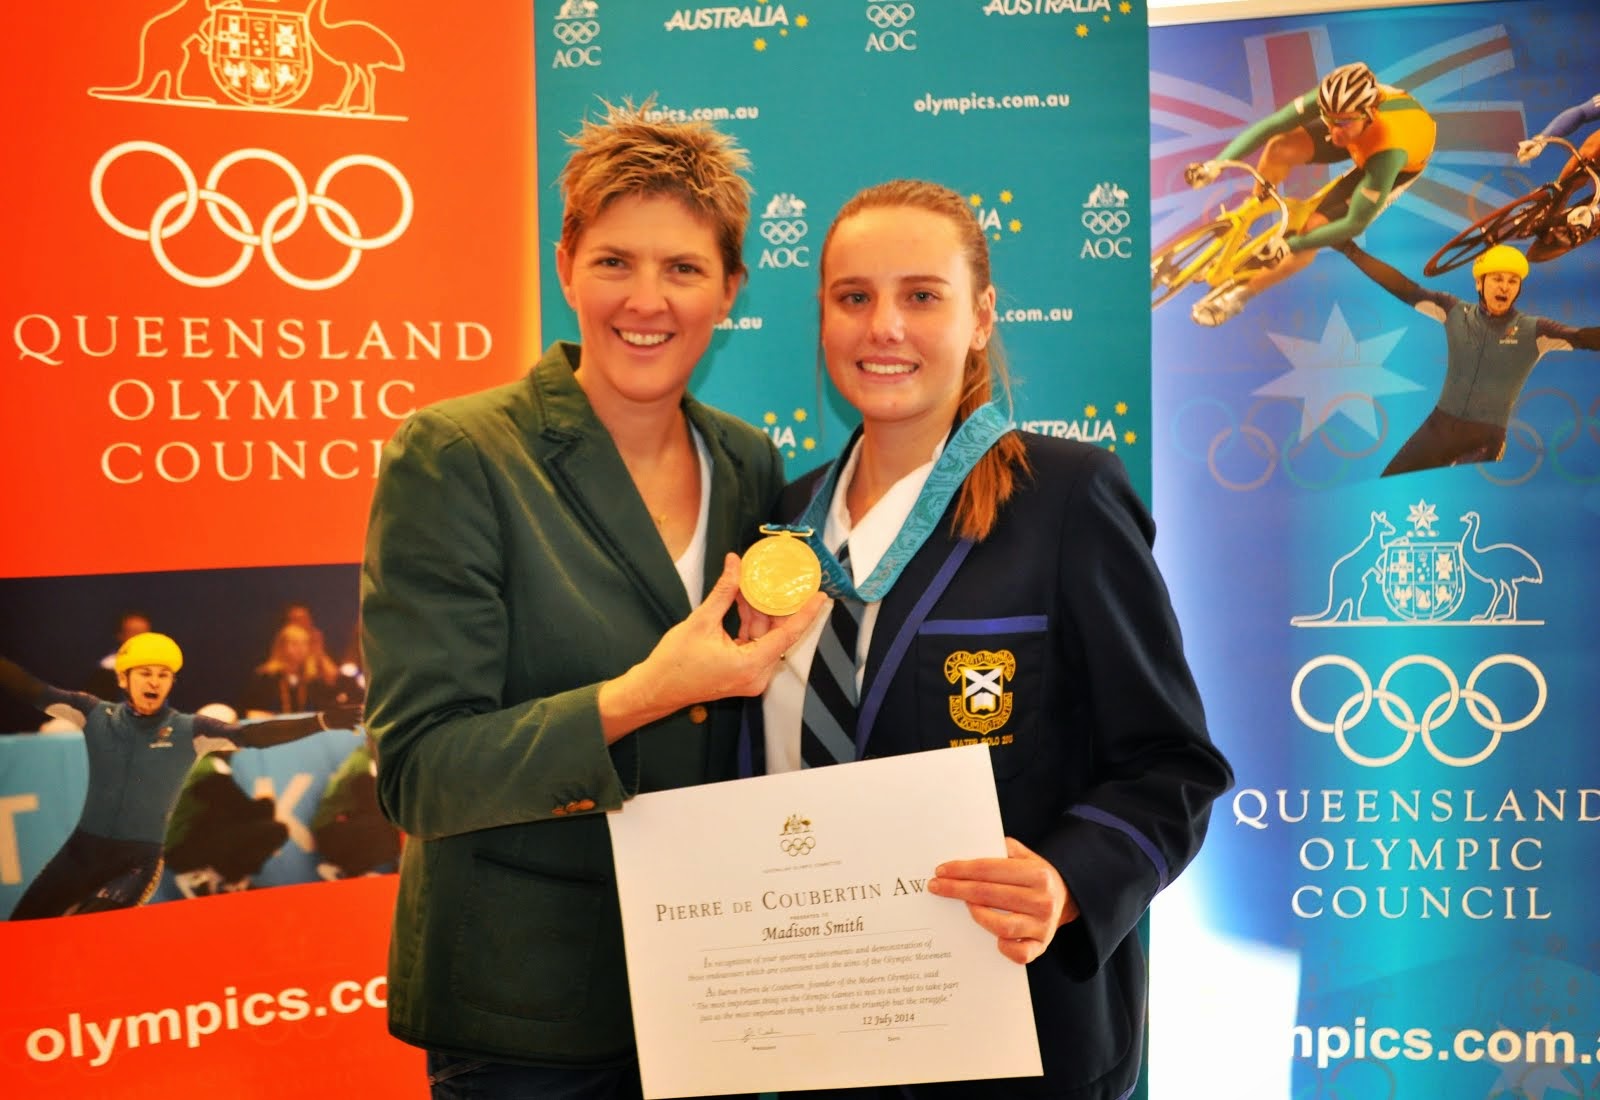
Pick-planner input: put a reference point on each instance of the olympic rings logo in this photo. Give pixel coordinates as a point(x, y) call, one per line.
point(1435, 715)
point(577, 33)
point(175, 212)
point(797, 845)
point(884, 16)
point(1565, 423)
point(1105, 221)
point(784, 231)
point(1239, 445)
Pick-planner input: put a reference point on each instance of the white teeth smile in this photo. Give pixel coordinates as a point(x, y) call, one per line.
point(644, 339)
point(874, 367)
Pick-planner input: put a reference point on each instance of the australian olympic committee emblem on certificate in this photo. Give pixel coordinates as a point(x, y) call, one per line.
point(779, 934)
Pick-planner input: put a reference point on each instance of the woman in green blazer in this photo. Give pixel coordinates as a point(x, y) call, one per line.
point(549, 568)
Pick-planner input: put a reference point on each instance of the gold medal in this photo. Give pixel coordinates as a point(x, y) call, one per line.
point(780, 572)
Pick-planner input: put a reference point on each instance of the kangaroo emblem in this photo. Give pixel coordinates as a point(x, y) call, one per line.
point(1349, 578)
point(164, 45)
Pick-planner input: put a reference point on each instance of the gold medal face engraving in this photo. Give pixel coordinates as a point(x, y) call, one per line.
point(779, 573)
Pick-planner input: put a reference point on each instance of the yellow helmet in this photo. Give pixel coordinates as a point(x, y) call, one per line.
point(149, 648)
point(1502, 257)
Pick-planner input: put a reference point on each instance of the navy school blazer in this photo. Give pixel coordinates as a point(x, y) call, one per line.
point(1102, 761)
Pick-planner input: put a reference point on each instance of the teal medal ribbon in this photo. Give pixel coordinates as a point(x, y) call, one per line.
point(979, 432)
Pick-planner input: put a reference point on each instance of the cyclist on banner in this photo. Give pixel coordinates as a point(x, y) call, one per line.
point(137, 766)
point(1349, 116)
point(1491, 350)
point(1579, 114)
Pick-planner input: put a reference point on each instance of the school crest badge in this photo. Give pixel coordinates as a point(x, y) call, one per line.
point(983, 705)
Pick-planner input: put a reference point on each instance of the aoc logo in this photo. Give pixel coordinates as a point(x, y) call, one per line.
point(258, 59)
point(983, 704)
point(1106, 217)
point(1422, 577)
point(783, 227)
point(796, 838)
point(792, 437)
point(892, 27)
point(1412, 712)
point(577, 26)
point(995, 221)
point(229, 217)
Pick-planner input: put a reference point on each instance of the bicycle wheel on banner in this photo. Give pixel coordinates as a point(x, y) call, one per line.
point(1177, 265)
point(1519, 218)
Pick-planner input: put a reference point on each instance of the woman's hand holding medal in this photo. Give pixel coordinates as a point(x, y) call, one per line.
point(696, 661)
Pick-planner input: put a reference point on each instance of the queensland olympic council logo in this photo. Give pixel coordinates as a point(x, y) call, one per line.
point(893, 30)
point(783, 227)
point(1106, 217)
point(1403, 717)
point(174, 213)
point(576, 28)
point(796, 838)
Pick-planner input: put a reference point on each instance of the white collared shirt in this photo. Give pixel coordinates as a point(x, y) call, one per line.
point(692, 562)
point(784, 699)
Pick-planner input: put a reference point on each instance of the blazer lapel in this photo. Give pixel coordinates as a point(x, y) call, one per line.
point(904, 609)
point(589, 476)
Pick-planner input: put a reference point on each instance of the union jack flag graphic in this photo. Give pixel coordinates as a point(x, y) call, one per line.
point(1477, 136)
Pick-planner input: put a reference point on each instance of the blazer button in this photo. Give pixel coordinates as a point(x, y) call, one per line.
point(698, 714)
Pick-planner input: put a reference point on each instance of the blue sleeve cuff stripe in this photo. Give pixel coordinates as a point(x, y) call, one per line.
point(1111, 821)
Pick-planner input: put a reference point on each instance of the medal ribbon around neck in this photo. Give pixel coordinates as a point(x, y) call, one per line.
point(979, 432)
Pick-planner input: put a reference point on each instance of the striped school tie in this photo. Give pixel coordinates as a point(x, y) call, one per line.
point(828, 723)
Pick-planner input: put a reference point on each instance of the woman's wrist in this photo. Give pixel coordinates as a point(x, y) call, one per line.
point(630, 701)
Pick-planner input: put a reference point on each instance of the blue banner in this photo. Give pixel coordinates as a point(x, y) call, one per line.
point(1393, 901)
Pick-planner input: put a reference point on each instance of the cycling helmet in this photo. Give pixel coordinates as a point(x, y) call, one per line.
point(1347, 90)
point(1502, 257)
point(149, 648)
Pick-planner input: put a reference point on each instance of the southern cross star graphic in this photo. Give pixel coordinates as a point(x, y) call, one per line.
point(1336, 374)
point(1520, 1079)
point(1422, 517)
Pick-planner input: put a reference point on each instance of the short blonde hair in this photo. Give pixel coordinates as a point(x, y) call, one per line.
point(636, 152)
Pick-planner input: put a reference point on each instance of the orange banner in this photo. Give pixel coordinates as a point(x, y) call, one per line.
point(277, 994)
point(246, 241)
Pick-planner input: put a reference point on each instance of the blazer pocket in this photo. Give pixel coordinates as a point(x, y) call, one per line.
point(526, 940)
point(979, 682)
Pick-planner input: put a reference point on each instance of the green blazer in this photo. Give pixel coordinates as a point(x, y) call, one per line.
point(511, 567)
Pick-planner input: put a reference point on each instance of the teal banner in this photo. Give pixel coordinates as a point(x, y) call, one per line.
point(1033, 108)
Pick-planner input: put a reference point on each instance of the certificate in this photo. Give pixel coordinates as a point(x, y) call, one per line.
point(780, 935)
